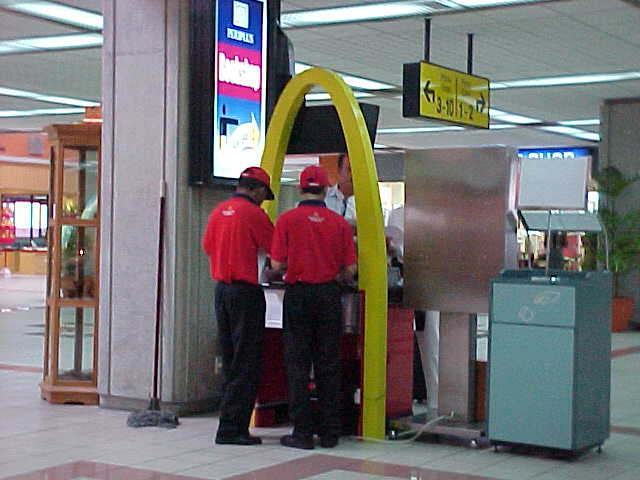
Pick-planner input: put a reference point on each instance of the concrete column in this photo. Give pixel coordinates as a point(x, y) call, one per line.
point(145, 144)
point(620, 147)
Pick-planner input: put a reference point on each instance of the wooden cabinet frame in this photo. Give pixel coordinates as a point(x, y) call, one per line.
point(73, 386)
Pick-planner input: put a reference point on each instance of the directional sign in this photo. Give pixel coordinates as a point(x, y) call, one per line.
point(432, 91)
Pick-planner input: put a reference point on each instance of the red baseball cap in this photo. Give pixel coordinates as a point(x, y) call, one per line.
point(314, 176)
point(260, 175)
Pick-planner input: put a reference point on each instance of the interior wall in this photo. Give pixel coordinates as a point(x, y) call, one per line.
point(16, 178)
point(24, 163)
point(619, 124)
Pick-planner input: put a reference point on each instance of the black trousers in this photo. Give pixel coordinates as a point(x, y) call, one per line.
point(312, 332)
point(240, 310)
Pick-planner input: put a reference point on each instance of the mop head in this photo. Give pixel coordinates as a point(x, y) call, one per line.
point(153, 418)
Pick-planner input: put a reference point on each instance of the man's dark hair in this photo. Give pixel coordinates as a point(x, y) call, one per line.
point(250, 183)
point(313, 190)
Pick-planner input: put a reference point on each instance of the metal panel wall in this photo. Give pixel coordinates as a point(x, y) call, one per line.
point(460, 225)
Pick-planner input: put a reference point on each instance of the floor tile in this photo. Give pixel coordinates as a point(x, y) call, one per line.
point(41, 441)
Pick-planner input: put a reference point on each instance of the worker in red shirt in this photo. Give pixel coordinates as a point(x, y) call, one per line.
point(237, 230)
point(314, 245)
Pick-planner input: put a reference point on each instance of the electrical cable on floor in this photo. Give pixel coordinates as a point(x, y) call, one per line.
point(416, 433)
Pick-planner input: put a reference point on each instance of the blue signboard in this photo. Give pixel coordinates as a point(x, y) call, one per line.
point(555, 153)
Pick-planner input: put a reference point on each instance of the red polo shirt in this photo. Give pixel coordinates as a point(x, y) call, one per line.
point(236, 230)
point(314, 242)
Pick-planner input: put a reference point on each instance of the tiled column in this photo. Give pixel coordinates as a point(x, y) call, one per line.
point(620, 147)
point(145, 105)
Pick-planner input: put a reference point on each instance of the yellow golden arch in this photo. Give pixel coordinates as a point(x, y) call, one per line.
point(371, 243)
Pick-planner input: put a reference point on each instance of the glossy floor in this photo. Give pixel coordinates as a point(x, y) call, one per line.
point(43, 441)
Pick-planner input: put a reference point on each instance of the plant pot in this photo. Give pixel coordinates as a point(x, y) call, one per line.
point(622, 312)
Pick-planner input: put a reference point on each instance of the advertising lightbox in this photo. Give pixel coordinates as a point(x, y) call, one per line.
point(239, 103)
point(554, 153)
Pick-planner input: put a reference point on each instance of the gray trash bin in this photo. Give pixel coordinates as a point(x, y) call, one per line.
point(549, 375)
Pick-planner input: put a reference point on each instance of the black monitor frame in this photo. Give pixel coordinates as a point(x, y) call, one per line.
point(202, 75)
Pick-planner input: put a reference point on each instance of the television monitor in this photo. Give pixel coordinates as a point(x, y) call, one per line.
point(317, 129)
point(232, 91)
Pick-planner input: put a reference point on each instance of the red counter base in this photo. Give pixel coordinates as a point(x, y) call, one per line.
point(399, 362)
point(271, 405)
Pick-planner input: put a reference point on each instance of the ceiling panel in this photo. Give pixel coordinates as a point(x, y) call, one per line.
point(13, 103)
point(521, 137)
point(92, 5)
point(562, 103)
point(36, 122)
point(72, 74)
point(503, 44)
point(313, 4)
point(585, 7)
point(20, 26)
point(553, 38)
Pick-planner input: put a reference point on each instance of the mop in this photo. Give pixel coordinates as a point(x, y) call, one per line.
point(154, 416)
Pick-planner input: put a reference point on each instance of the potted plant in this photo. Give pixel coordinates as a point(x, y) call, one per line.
point(623, 232)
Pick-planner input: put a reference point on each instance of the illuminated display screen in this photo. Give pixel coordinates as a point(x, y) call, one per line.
point(239, 105)
point(555, 153)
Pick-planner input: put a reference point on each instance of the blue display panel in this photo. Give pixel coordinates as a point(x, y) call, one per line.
point(555, 153)
point(239, 104)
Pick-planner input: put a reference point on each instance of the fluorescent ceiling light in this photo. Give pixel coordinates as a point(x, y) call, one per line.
point(365, 12)
point(490, 3)
point(357, 13)
point(301, 67)
point(511, 117)
point(4, 48)
point(56, 42)
point(567, 80)
point(487, 3)
point(25, 129)
point(418, 129)
point(367, 84)
point(359, 83)
point(581, 123)
point(57, 12)
point(573, 132)
point(560, 129)
point(594, 137)
point(315, 97)
point(64, 41)
point(364, 83)
point(40, 112)
point(76, 102)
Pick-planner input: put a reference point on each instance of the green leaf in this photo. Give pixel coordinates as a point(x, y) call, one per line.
point(623, 230)
point(612, 182)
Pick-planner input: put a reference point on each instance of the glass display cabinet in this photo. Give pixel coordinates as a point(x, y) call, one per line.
point(71, 324)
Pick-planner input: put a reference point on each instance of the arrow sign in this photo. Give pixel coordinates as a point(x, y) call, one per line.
point(429, 92)
point(441, 93)
point(480, 103)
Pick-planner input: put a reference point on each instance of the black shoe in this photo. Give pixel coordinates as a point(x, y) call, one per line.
point(239, 440)
point(305, 443)
point(329, 441)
